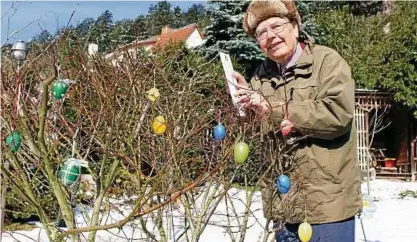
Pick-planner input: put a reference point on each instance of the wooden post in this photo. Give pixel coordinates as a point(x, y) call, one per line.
point(413, 160)
point(3, 189)
point(368, 157)
point(360, 136)
point(413, 152)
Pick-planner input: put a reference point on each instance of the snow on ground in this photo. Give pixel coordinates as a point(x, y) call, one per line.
point(393, 219)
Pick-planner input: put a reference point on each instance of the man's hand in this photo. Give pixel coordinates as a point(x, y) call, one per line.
point(251, 99)
point(241, 82)
point(255, 101)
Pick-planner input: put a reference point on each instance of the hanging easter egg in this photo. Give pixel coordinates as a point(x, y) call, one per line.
point(305, 231)
point(59, 88)
point(283, 184)
point(368, 207)
point(14, 140)
point(219, 132)
point(241, 152)
point(286, 127)
point(159, 125)
point(70, 172)
point(153, 94)
point(368, 210)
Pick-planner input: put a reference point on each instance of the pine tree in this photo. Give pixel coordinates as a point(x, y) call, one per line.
point(178, 18)
point(197, 13)
point(43, 37)
point(308, 23)
point(140, 29)
point(226, 33)
point(159, 15)
point(83, 29)
point(358, 7)
point(101, 31)
point(123, 32)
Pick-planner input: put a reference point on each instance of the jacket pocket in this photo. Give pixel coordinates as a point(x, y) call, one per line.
point(303, 90)
point(323, 164)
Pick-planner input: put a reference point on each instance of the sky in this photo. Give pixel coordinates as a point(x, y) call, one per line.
point(21, 20)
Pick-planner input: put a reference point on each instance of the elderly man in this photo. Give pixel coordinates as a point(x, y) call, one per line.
point(310, 86)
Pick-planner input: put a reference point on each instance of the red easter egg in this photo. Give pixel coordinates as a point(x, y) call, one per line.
point(286, 127)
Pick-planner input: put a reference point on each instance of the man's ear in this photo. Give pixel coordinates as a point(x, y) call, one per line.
point(296, 30)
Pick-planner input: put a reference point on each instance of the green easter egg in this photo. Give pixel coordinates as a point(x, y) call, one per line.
point(14, 140)
point(241, 152)
point(70, 173)
point(59, 88)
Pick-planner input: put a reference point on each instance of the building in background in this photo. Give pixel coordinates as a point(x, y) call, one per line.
point(386, 135)
point(190, 35)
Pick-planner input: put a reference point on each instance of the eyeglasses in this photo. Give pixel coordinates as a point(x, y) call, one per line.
point(276, 29)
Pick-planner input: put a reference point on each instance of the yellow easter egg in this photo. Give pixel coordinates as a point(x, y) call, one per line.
point(153, 94)
point(159, 125)
point(305, 231)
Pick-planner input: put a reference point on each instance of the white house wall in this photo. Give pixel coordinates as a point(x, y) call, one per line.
point(119, 56)
point(194, 39)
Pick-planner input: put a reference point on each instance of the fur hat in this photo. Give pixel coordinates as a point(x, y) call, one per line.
point(261, 10)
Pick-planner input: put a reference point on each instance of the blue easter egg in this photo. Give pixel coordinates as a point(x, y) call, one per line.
point(219, 132)
point(283, 184)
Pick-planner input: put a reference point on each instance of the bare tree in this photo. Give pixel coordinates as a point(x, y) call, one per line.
point(105, 118)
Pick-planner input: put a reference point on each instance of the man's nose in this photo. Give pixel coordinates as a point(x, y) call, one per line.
point(269, 34)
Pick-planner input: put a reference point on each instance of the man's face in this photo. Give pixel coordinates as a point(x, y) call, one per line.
point(277, 38)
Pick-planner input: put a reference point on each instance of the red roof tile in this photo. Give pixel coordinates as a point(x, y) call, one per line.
point(175, 35)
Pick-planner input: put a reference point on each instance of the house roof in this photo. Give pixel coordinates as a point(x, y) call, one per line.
point(371, 98)
point(166, 37)
point(359, 91)
point(137, 43)
point(146, 41)
point(175, 35)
